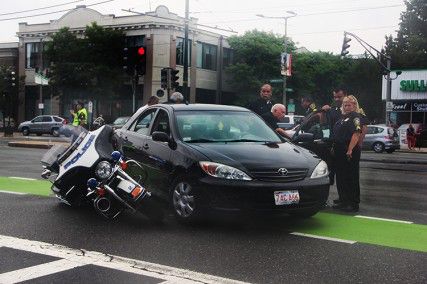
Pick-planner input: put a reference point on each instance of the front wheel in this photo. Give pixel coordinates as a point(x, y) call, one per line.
point(378, 147)
point(25, 131)
point(55, 132)
point(184, 201)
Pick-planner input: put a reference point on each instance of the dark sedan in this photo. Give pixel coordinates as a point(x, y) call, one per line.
point(201, 158)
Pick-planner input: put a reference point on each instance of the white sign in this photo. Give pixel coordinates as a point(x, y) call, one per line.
point(41, 106)
point(90, 106)
point(389, 106)
point(40, 79)
point(397, 90)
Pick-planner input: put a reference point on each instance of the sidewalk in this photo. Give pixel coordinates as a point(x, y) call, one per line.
point(31, 141)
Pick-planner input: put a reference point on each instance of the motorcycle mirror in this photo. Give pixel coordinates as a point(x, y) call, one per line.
point(92, 183)
point(116, 155)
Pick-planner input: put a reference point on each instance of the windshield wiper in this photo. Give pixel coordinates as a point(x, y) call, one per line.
point(201, 140)
point(249, 140)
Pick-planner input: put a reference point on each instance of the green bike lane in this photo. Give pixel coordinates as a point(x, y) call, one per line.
point(339, 227)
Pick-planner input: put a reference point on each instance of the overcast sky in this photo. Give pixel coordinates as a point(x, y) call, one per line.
point(319, 24)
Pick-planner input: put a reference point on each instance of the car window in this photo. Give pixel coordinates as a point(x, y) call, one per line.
point(143, 123)
point(57, 119)
point(379, 130)
point(161, 123)
point(371, 130)
point(38, 119)
point(46, 119)
point(286, 119)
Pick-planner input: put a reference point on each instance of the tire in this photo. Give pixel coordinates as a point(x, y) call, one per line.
point(378, 147)
point(389, 151)
point(183, 200)
point(25, 131)
point(55, 132)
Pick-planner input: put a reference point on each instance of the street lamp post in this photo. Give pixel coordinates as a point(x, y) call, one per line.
point(285, 43)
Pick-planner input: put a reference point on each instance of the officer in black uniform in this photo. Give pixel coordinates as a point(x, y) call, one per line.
point(308, 105)
point(346, 149)
point(264, 103)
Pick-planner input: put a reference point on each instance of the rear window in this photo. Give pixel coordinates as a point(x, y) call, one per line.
point(57, 119)
point(46, 119)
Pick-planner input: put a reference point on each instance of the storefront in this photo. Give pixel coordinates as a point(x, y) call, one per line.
point(409, 97)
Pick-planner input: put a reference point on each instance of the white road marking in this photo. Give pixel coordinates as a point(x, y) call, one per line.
point(323, 238)
point(384, 219)
point(38, 271)
point(12, 192)
point(83, 257)
point(23, 178)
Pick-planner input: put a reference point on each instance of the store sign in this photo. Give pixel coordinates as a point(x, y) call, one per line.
point(405, 106)
point(413, 85)
point(421, 107)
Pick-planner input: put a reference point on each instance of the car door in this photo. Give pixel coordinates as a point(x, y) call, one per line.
point(369, 137)
point(36, 124)
point(47, 124)
point(157, 155)
point(133, 138)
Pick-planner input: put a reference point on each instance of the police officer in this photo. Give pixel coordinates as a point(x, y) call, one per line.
point(308, 105)
point(346, 147)
point(82, 115)
point(264, 103)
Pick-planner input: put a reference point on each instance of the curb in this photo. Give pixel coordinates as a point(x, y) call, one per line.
point(30, 145)
point(395, 162)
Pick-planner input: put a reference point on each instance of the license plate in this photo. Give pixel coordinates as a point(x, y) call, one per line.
point(286, 197)
point(126, 186)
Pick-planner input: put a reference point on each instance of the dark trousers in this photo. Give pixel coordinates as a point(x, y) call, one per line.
point(347, 174)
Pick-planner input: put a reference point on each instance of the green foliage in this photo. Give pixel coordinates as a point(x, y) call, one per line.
point(409, 48)
point(91, 64)
point(8, 93)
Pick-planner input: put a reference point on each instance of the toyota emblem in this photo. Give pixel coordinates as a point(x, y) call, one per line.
point(282, 171)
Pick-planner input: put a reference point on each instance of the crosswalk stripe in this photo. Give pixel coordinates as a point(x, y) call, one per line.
point(36, 271)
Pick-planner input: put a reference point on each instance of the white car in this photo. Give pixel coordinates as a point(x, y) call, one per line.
point(290, 121)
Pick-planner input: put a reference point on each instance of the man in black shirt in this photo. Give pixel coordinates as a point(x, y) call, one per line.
point(308, 105)
point(264, 103)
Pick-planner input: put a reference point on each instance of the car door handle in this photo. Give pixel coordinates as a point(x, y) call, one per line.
point(146, 146)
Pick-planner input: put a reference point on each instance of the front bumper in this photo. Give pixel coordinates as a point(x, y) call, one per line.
point(251, 196)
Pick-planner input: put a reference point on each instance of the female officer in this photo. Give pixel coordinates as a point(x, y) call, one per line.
point(347, 132)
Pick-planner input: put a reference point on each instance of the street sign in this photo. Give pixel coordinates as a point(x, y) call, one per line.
point(291, 108)
point(389, 106)
point(41, 106)
point(276, 81)
point(90, 106)
point(40, 79)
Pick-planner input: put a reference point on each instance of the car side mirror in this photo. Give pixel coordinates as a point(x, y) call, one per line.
point(303, 138)
point(160, 136)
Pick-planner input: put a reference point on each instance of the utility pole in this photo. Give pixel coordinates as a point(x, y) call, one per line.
point(41, 72)
point(185, 73)
point(285, 44)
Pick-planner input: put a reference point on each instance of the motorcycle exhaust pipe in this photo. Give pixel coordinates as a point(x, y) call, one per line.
point(103, 204)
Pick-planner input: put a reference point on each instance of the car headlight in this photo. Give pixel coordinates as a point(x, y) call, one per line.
point(223, 171)
point(321, 170)
point(103, 170)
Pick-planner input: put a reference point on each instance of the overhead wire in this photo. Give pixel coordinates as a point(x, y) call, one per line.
point(38, 9)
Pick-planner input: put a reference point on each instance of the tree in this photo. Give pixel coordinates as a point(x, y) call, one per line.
point(256, 61)
point(91, 65)
point(409, 48)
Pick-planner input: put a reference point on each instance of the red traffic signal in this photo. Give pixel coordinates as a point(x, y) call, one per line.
point(141, 51)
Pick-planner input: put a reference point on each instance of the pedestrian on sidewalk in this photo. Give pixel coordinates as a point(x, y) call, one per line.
point(410, 137)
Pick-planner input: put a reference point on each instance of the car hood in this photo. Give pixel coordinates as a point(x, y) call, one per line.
point(247, 156)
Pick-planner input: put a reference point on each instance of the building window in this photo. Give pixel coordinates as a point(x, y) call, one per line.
point(206, 56)
point(133, 41)
point(228, 55)
point(32, 52)
point(180, 51)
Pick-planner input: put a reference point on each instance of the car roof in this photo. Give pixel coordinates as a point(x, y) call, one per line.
point(201, 107)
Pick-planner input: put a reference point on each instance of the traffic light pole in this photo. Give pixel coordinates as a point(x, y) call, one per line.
point(388, 91)
point(185, 73)
point(134, 84)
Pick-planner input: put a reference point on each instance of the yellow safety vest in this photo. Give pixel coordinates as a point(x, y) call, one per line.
point(75, 119)
point(82, 115)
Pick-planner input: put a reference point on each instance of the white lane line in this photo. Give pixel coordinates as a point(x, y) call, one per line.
point(36, 271)
point(384, 219)
point(323, 238)
point(83, 257)
point(23, 178)
point(12, 192)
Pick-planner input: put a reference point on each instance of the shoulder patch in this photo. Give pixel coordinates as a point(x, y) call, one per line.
point(356, 122)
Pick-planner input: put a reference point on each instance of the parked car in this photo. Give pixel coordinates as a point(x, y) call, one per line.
point(201, 158)
point(290, 121)
point(43, 124)
point(119, 122)
point(380, 138)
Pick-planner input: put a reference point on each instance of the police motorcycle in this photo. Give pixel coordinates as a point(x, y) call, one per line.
point(90, 171)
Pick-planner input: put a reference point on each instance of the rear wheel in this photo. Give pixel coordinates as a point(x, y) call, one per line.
point(378, 147)
point(184, 201)
point(55, 132)
point(25, 131)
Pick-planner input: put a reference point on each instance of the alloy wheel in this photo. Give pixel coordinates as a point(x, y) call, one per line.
point(183, 200)
point(378, 147)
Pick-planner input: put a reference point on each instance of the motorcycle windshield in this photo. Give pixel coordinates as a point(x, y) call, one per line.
point(73, 136)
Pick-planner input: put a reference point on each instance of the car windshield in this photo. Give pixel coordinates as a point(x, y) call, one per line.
point(120, 120)
point(223, 126)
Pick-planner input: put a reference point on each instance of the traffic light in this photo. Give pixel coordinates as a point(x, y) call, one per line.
point(128, 61)
point(345, 45)
point(174, 78)
point(12, 79)
point(165, 77)
point(140, 59)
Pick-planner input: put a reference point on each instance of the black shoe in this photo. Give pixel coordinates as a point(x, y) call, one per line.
point(337, 201)
point(350, 208)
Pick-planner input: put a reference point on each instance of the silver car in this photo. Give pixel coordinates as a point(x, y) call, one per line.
point(380, 138)
point(43, 124)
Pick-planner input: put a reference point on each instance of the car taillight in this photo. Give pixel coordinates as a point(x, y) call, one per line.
point(64, 121)
point(388, 138)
